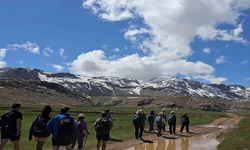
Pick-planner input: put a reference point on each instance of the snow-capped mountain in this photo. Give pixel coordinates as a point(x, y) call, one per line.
point(115, 86)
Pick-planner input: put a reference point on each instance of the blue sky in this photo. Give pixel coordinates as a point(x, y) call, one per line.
point(205, 40)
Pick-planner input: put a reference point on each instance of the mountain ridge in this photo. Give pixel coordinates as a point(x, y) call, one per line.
point(117, 86)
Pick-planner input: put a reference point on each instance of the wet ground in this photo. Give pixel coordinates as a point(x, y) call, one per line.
point(206, 137)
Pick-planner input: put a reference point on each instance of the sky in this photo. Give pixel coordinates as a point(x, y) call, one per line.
point(204, 40)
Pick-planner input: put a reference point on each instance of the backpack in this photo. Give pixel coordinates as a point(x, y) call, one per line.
point(65, 131)
point(40, 124)
point(151, 118)
point(158, 120)
point(183, 119)
point(7, 121)
point(137, 119)
point(171, 119)
point(102, 126)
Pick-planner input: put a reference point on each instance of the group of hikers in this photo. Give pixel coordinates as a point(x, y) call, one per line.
point(66, 131)
point(160, 120)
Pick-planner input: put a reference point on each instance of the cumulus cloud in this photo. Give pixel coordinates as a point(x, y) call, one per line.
point(28, 46)
point(207, 50)
point(169, 27)
point(222, 60)
point(2, 53)
point(47, 51)
point(57, 67)
point(2, 56)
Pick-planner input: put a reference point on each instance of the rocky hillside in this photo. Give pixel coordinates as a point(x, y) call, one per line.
point(115, 86)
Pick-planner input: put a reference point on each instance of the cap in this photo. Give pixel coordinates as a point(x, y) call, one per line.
point(172, 112)
point(81, 115)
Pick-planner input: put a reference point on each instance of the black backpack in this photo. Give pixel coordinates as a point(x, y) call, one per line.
point(102, 126)
point(65, 131)
point(7, 121)
point(40, 124)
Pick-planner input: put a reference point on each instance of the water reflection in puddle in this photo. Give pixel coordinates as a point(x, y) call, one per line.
point(204, 142)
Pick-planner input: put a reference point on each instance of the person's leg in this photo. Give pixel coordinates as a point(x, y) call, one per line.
point(98, 144)
point(80, 143)
point(68, 147)
point(187, 128)
point(16, 145)
point(3, 143)
point(182, 127)
point(164, 127)
point(136, 131)
point(104, 143)
point(55, 144)
point(170, 128)
point(73, 142)
point(174, 128)
point(55, 147)
point(39, 145)
point(141, 131)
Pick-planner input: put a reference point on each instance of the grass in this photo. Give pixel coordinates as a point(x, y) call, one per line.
point(122, 130)
point(239, 138)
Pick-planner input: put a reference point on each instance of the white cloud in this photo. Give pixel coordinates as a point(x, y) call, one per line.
point(47, 51)
point(222, 60)
point(2, 53)
point(96, 63)
point(2, 64)
point(207, 50)
point(116, 49)
point(62, 53)
point(57, 67)
point(28, 46)
point(245, 62)
point(169, 27)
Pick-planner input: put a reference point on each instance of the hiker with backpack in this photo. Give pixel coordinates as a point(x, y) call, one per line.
point(102, 128)
point(38, 128)
point(11, 123)
point(62, 127)
point(139, 123)
point(184, 122)
point(172, 122)
point(160, 121)
point(81, 132)
point(151, 120)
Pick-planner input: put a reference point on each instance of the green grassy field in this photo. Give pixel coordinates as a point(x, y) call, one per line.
point(239, 138)
point(122, 130)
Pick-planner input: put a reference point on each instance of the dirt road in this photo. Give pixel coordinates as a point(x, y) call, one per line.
point(215, 131)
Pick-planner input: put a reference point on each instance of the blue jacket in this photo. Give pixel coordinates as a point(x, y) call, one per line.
point(54, 124)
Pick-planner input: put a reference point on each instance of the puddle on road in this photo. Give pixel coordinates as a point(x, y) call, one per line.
point(204, 142)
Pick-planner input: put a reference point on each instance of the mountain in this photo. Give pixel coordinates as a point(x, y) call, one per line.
point(115, 86)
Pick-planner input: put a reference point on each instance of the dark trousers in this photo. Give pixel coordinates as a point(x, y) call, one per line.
point(151, 125)
point(79, 142)
point(164, 127)
point(183, 125)
point(172, 127)
point(139, 131)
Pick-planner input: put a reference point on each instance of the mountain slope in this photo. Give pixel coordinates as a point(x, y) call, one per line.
point(115, 86)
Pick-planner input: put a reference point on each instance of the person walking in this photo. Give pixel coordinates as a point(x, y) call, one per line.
point(102, 128)
point(11, 123)
point(165, 118)
point(172, 122)
point(184, 122)
point(151, 120)
point(159, 121)
point(38, 128)
point(139, 123)
point(81, 132)
point(62, 127)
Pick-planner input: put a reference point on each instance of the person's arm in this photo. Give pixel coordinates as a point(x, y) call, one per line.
point(50, 126)
point(18, 126)
point(31, 133)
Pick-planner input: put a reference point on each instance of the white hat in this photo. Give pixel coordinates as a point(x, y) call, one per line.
point(81, 115)
point(172, 112)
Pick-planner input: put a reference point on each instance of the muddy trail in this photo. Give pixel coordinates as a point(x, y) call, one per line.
point(206, 137)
